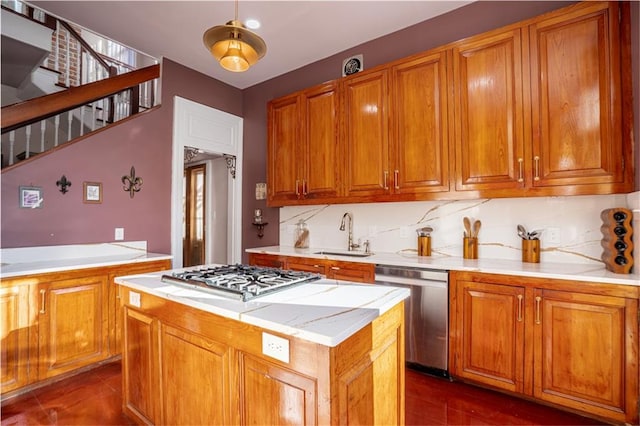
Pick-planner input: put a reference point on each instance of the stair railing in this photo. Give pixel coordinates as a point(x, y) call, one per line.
point(89, 99)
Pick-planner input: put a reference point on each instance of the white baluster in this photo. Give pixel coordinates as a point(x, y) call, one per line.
point(82, 120)
point(93, 114)
point(56, 129)
point(69, 122)
point(27, 144)
point(43, 128)
point(57, 58)
point(12, 142)
point(68, 44)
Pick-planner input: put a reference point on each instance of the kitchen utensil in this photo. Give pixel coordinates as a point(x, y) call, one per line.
point(475, 228)
point(535, 235)
point(424, 232)
point(467, 226)
point(522, 232)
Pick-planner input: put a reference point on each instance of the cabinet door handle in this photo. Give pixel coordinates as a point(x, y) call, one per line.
point(304, 187)
point(519, 308)
point(395, 179)
point(536, 164)
point(521, 172)
point(538, 299)
point(298, 187)
point(385, 175)
point(43, 300)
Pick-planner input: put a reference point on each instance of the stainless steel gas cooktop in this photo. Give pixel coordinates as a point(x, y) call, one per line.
point(241, 282)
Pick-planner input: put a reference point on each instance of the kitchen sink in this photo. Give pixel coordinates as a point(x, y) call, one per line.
point(343, 253)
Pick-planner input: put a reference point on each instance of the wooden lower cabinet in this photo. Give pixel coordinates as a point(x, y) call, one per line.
point(569, 343)
point(72, 324)
point(15, 323)
point(59, 322)
point(333, 269)
point(182, 365)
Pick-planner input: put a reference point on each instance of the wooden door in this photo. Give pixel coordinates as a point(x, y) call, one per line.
point(320, 141)
point(141, 367)
point(419, 146)
point(196, 368)
point(271, 394)
point(284, 170)
point(72, 324)
point(15, 325)
point(586, 353)
point(576, 97)
point(366, 136)
point(488, 113)
point(490, 334)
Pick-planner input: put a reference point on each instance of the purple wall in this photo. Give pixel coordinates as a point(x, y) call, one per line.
point(143, 142)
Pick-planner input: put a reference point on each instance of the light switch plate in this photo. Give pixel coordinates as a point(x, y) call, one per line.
point(134, 299)
point(119, 234)
point(261, 191)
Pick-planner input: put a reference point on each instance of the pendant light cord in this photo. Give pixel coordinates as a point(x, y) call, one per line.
point(236, 10)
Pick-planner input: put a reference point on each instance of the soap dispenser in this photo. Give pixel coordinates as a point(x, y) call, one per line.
point(301, 235)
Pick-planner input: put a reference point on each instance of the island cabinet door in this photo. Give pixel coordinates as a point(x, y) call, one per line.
point(273, 395)
point(197, 369)
point(586, 350)
point(489, 334)
point(72, 324)
point(141, 367)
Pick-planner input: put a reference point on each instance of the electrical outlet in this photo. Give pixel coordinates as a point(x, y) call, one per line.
point(134, 299)
point(275, 347)
point(552, 235)
point(404, 232)
point(119, 234)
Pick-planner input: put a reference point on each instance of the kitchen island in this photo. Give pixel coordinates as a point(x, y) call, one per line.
point(325, 352)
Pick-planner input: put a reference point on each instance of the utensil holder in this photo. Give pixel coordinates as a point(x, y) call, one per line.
point(531, 251)
point(424, 246)
point(469, 248)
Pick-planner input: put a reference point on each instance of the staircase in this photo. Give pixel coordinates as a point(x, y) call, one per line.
point(48, 100)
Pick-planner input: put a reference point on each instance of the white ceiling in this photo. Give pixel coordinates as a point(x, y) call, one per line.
point(297, 33)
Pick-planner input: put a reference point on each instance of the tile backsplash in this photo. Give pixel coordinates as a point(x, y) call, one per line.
point(571, 225)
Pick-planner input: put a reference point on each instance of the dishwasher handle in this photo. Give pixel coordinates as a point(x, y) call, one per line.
point(390, 279)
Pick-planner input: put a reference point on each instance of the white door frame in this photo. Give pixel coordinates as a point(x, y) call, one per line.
point(215, 131)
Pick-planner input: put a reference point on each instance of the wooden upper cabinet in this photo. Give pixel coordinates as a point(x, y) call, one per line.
point(366, 136)
point(303, 146)
point(283, 169)
point(488, 112)
point(419, 143)
point(576, 97)
point(320, 109)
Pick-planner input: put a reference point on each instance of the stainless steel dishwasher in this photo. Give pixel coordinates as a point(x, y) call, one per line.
point(426, 315)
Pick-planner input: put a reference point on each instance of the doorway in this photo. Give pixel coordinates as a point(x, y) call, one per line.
point(217, 138)
point(194, 223)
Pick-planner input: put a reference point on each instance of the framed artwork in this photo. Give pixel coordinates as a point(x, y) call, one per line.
point(92, 192)
point(31, 197)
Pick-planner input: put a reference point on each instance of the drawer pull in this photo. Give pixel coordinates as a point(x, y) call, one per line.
point(335, 268)
point(519, 308)
point(536, 163)
point(43, 295)
point(521, 172)
point(538, 299)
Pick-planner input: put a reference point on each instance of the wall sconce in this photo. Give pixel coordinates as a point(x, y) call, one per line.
point(132, 183)
point(64, 184)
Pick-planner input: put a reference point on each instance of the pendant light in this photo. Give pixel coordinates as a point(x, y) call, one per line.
point(234, 46)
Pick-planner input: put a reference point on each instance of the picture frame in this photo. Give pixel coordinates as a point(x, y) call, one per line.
point(30, 197)
point(92, 192)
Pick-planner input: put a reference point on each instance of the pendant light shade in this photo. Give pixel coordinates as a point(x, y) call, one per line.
point(234, 46)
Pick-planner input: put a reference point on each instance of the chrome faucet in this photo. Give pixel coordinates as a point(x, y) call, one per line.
point(349, 216)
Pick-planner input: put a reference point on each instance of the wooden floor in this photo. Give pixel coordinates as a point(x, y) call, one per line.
point(94, 398)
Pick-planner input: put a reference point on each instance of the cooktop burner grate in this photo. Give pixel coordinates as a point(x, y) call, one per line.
point(241, 282)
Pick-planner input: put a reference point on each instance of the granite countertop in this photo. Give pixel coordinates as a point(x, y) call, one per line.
point(324, 311)
point(563, 271)
point(23, 261)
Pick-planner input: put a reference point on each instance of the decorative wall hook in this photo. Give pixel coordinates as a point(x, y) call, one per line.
point(132, 183)
point(64, 184)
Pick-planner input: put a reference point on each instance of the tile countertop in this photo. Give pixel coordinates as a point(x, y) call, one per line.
point(563, 271)
point(324, 311)
point(11, 270)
